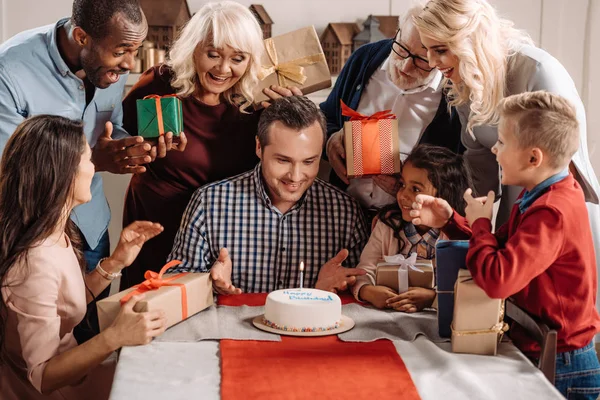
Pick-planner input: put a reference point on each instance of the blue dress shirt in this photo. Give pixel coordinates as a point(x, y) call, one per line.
point(34, 80)
point(532, 195)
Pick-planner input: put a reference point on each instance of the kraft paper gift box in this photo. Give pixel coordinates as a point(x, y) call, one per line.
point(179, 295)
point(293, 59)
point(478, 324)
point(158, 115)
point(372, 143)
point(450, 257)
point(417, 273)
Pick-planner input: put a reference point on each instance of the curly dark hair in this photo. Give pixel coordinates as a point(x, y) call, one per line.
point(93, 16)
point(448, 173)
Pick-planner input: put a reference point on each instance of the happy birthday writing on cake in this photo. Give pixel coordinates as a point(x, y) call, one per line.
point(298, 295)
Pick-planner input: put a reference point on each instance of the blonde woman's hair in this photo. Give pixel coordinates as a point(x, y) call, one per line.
point(482, 41)
point(544, 120)
point(218, 24)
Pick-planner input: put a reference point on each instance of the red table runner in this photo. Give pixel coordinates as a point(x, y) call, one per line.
point(315, 367)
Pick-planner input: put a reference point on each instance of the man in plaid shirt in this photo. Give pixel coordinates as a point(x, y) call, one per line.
point(252, 231)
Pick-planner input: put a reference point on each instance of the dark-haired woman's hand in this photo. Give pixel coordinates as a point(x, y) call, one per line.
point(132, 328)
point(131, 241)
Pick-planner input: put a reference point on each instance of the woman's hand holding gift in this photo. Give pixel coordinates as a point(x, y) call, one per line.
point(132, 328)
point(168, 142)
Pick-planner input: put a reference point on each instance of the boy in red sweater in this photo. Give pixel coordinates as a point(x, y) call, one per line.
point(544, 256)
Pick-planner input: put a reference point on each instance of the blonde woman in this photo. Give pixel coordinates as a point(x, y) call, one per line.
point(484, 59)
point(213, 68)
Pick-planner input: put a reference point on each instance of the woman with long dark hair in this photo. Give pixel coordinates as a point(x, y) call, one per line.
point(46, 171)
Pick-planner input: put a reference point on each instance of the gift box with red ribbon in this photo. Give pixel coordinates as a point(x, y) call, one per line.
point(179, 295)
point(157, 115)
point(372, 143)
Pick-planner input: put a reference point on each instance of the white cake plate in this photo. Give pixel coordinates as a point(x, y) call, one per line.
point(346, 323)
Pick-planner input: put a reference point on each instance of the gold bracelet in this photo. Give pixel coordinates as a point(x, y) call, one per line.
point(106, 275)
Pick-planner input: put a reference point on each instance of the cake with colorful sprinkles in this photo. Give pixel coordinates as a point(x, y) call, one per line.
point(303, 310)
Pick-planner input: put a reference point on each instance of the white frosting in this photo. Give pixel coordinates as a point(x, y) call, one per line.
point(303, 308)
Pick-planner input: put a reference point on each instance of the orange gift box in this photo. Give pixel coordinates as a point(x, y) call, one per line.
point(179, 295)
point(372, 143)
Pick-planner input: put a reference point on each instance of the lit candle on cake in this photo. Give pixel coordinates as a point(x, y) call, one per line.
point(301, 274)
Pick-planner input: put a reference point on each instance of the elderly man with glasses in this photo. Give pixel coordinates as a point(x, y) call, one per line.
point(395, 75)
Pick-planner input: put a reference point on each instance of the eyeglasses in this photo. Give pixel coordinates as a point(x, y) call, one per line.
point(403, 53)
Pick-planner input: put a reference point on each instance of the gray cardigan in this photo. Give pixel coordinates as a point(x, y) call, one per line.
point(531, 69)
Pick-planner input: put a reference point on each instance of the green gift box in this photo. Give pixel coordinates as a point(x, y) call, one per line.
point(158, 115)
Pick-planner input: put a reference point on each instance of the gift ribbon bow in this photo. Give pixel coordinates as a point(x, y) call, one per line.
point(500, 328)
point(372, 142)
point(399, 259)
point(356, 116)
point(404, 265)
point(155, 281)
point(159, 113)
point(292, 70)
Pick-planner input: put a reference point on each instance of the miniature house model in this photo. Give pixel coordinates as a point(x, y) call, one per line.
point(388, 24)
point(264, 20)
point(336, 41)
point(376, 28)
point(165, 19)
point(369, 34)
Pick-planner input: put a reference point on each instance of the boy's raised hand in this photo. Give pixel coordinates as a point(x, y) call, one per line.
point(430, 211)
point(480, 207)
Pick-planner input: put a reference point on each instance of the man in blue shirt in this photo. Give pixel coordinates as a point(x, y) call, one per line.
point(74, 69)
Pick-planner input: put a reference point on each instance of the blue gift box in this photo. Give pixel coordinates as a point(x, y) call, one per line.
point(450, 256)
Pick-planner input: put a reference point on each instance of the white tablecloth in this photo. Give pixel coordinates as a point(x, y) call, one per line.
point(176, 371)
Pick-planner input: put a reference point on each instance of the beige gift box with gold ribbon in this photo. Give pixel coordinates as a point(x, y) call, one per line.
point(293, 59)
point(477, 325)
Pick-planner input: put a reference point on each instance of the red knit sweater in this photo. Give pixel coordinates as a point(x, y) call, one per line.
point(544, 259)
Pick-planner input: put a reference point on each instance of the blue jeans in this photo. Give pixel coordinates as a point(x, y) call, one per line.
point(578, 373)
point(89, 327)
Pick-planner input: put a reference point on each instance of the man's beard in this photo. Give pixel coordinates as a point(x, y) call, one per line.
point(92, 73)
point(406, 83)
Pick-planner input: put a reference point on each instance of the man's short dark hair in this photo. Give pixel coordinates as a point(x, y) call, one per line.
point(93, 16)
point(296, 112)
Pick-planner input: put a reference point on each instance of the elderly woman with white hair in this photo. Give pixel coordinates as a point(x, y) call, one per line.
point(212, 67)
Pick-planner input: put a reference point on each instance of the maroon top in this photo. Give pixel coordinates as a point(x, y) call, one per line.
point(220, 144)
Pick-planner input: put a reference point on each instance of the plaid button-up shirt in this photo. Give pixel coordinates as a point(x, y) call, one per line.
point(266, 246)
point(423, 245)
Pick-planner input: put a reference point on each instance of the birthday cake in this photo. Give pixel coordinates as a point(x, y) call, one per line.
point(303, 310)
